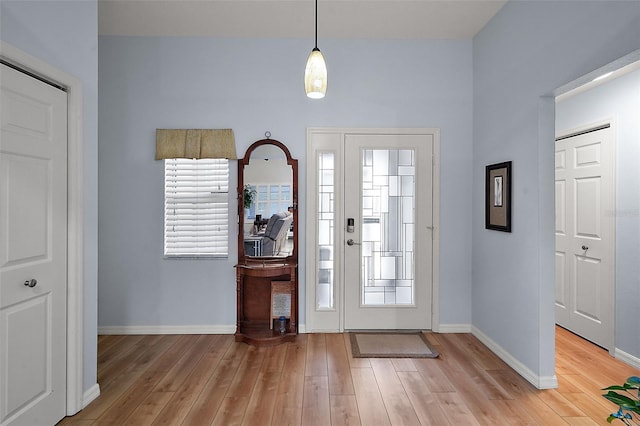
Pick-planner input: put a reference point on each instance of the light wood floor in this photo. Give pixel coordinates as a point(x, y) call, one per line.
point(210, 379)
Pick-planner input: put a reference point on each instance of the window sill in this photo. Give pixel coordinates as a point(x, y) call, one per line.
point(195, 257)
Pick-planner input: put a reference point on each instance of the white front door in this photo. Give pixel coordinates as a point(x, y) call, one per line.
point(33, 238)
point(386, 181)
point(388, 256)
point(585, 235)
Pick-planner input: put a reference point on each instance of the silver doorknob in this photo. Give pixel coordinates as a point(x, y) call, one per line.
point(585, 248)
point(31, 283)
point(350, 242)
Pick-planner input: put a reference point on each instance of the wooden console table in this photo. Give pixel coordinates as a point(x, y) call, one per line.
point(256, 282)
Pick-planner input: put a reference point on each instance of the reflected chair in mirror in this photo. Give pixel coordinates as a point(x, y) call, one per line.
point(273, 241)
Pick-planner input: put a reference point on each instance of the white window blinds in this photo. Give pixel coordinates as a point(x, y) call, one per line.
point(196, 207)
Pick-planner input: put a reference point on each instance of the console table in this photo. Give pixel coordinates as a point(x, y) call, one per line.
point(257, 282)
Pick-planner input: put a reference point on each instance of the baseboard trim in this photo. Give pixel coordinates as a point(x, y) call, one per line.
point(540, 382)
point(168, 329)
point(90, 395)
point(627, 358)
point(453, 328)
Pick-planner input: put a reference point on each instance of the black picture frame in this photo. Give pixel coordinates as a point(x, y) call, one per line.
point(498, 200)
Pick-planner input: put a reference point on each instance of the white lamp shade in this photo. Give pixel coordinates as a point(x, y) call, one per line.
point(315, 75)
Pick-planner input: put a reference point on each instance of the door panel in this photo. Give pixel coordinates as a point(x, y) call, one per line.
point(585, 235)
point(27, 334)
point(588, 289)
point(33, 232)
point(587, 212)
point(388, 265)
point(27, 210)
point(561, 285)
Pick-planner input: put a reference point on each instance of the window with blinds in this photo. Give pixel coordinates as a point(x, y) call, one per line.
point(196, 207)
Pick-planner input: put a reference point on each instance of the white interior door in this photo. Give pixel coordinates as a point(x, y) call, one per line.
point(585, 235)
point(388, 258)
point(33, 232)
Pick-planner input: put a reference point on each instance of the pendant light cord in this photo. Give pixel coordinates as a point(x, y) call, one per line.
point(316, 24)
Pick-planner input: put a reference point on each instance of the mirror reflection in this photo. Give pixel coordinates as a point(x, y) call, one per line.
point(268, 203)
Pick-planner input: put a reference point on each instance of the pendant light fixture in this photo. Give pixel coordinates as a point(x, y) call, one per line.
point(315, 75)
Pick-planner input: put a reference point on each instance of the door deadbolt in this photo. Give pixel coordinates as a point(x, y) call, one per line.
point(351, 225)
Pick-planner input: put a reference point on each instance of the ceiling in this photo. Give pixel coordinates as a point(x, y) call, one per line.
point(395, 19)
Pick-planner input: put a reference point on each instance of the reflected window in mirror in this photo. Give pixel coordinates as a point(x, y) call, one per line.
point(271, 198)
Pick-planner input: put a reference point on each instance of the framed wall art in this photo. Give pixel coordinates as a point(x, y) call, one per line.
point(498, 197)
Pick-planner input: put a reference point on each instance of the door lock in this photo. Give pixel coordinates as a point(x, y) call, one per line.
point(585, 248)
point(351, 225)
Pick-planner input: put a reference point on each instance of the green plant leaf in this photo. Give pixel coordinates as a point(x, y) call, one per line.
point(615, 387)
point(635, 409)
point(633, 380)
point(621, 400)
point(628, 406)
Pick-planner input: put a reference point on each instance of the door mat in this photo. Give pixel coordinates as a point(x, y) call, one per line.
point(390, 344)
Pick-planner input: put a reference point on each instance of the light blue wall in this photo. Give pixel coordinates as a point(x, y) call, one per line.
point(64, 34)
point(619, 101)
point(252, 86)
point(527, 51)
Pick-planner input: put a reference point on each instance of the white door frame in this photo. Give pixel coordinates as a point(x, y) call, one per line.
point(75, 257)
point(333, 320)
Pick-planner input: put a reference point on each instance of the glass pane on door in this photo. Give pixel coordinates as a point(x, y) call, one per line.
point(388, 221)
point(326, 231)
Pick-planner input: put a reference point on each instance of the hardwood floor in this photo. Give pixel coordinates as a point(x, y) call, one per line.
point(211, 380)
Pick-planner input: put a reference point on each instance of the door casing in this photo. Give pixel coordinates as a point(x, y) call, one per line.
point(75, 224)
point(332, 139)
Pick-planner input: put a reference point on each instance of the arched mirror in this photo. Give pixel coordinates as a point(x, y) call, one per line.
point(267, 202)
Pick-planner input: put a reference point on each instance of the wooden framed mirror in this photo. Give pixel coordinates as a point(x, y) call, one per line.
point(267, 203)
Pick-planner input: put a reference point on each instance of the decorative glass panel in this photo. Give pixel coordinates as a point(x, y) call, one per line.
point(388, 238)
point(326, 224)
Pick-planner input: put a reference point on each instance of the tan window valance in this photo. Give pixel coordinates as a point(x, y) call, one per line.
point(195, 143)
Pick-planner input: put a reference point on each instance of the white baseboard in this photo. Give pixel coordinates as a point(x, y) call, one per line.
point(540, 382)
point(168, 329)
point(175, 329)
point(453, 328)
point(92, 393)
point(627, 358)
